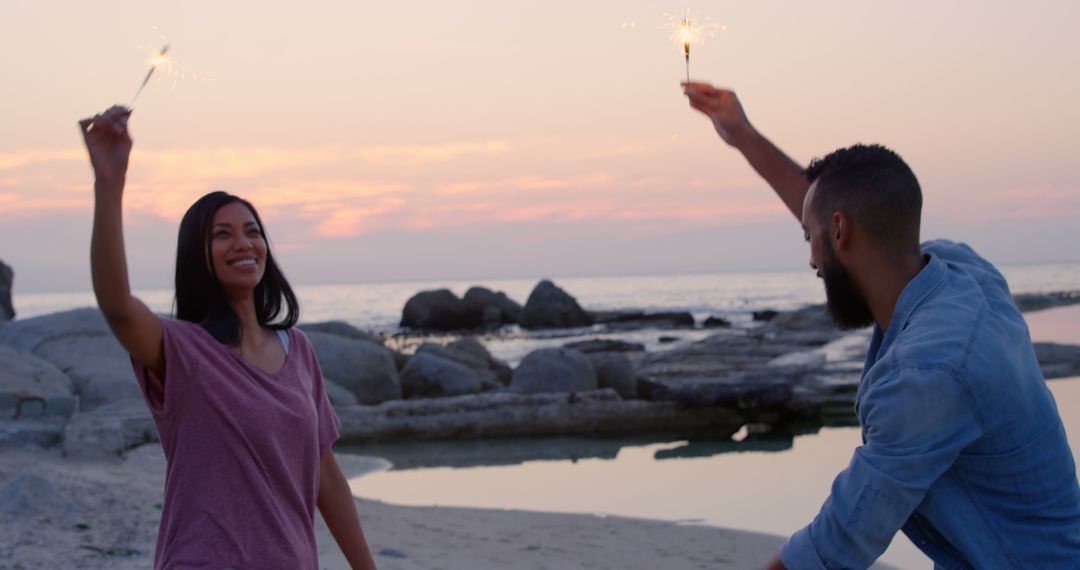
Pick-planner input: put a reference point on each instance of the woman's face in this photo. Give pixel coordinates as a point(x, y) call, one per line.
point(237, 248)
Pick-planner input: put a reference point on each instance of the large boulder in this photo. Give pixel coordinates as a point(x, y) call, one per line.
point(340, 328)
point(109, 430)
point(470, 345)
point(80, 344)
point(32, 387)
point(366, 369)
point(7, 275)
point(428, 374)
point(437, 310)
point(492, 308)
point(614, 370)
point(464, 357)
point(551, 307)
point(554, 370)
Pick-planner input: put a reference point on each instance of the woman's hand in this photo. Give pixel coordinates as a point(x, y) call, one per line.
point(109, 145)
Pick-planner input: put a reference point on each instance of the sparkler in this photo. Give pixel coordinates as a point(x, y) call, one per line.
point(687, 30)
point(155, 62)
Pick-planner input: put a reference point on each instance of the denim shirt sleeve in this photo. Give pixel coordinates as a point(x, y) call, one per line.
point(916, 421)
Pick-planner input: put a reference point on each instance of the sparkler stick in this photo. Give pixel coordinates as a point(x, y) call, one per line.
point(686, 35)
point(154, 63)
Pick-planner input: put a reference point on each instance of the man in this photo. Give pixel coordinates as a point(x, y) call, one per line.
point(963, 448)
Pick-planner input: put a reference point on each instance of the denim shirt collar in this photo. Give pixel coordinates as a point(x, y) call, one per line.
point(915, 292)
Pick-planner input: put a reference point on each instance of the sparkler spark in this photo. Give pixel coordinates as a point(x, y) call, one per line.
point(687, 30)
point(155, 62)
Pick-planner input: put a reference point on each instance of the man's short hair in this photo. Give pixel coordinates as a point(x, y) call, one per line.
point(875, 187)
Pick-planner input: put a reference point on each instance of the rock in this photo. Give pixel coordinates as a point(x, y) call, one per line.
point(801, 361)
point(604, 345)
point(30, 495)
point(341, 328)
point(469, 345)
point(764, 316)
point(363, 368)
point(716, 322)
point(80, 344)
point(1037, 301)
point(551, 307)
point(637, 319)
point(109, 430)
point(33, 387)
point(463, 357)
point(554, 370)
point(614, 370)
point(668, 339)
point(437, 310)
point(428, 375)
point(1058, 360)
point(7, 276)
point(491, 308)
point(339, 395)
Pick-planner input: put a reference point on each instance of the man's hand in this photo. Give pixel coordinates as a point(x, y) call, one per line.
point(722, 107)
point(109, 145)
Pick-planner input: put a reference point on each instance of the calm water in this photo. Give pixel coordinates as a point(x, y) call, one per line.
point(776, 492)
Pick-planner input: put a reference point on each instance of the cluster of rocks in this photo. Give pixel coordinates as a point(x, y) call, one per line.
point(66, 381)
point(548, 307)
point(7, 275)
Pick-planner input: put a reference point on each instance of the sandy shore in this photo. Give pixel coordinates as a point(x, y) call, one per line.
point(104, 514)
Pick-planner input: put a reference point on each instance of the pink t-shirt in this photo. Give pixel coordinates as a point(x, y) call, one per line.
point(243, 449)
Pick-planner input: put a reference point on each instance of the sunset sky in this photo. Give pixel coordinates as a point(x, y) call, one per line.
point(477, 140)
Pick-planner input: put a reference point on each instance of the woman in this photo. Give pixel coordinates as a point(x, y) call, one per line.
point(236, 393)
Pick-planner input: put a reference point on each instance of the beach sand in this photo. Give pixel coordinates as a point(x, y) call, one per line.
point(105, 513)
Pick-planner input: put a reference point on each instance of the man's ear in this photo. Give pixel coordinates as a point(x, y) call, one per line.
point(840, 230)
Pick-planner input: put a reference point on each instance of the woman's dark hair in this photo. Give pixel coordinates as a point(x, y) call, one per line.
point(200, 299)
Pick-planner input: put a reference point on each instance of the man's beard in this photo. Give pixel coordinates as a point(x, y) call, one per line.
point(847, 305)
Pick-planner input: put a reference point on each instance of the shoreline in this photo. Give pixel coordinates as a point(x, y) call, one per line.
point(103, 513)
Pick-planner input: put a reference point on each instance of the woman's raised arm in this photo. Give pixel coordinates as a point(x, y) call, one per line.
point(136, 327)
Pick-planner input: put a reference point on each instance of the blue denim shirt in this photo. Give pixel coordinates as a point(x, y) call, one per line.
point(963, 448)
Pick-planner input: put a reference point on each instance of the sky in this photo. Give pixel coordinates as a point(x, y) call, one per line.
point(479, 140)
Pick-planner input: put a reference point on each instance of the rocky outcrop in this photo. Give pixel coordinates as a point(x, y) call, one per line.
point(7, 276)
point(1039, 301)
point(436, 310)
point(554, 370)
point(549, 306)
point(716, 323)
point(364, 368)
point(640, 319)
point(614, 370)
point(31, 387)
point(340, 328)
point(604, 345)
point(492, 309)
point(507, 414)
point(109, 430)
point(468, 351)
point(428, 374)
point(80, 344)
point(1058, 360)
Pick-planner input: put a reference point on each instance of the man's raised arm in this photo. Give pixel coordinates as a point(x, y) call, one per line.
point(723, 107)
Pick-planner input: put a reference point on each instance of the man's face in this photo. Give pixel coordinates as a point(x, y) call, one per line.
point(847, 305)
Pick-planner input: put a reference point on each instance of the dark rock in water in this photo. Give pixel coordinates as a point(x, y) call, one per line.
point(437, 310)
point(668, 339)
point(340, 328)
point(7, 275)
point(391, 553)
point(554, 370)
point(366, 369)
point(740, 395)
point(766, 315)
point(492, 309)
point(430, 375)
point(1058, 360)
point(32, 495)
point(641, 319)
point(716, 322)
point(1038, 301)
point(614, 370)
point(604, 345)
point(551, 307)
